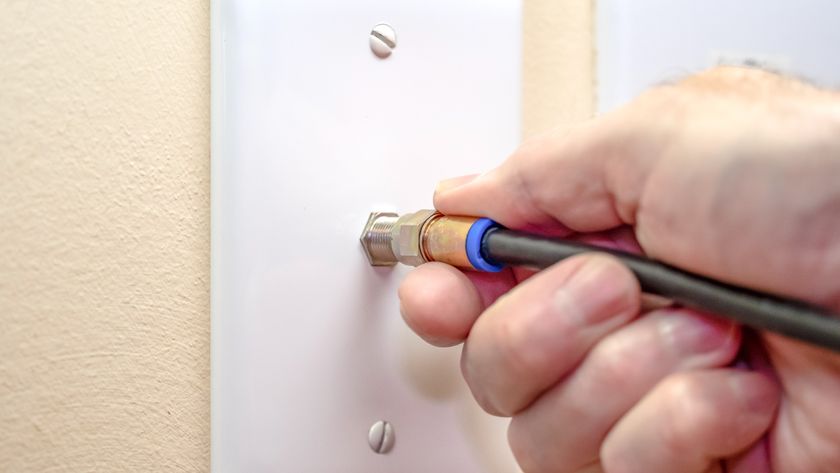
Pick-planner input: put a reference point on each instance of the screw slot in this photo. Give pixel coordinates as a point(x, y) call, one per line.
point(383, 40)
point(381, 437)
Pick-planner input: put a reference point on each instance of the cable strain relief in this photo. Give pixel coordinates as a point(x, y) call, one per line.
point(474, 238)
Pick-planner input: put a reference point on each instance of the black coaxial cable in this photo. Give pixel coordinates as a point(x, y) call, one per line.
point(788, 317)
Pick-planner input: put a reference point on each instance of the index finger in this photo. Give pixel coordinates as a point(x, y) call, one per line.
point(580, 179)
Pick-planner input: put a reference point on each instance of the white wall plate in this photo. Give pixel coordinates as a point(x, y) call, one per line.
point(644, 42)
point(310, 132)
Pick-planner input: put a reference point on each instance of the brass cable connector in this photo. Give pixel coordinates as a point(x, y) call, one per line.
point(416, 238)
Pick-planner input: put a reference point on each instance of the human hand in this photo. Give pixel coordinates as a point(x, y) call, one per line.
point(732, 173)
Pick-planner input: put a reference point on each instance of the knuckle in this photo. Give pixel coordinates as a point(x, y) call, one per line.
point(477, 383)
point(532, 150)
point(614, 459)
point(499, 360)
point(515, 358)
point(614, 368)
point(527, 168)
point(506, 334)
point(678, 388)
point(679, 411)
point(522, 446)
point(517, 351)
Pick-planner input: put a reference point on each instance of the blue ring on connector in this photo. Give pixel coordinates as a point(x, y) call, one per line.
point(474, 237)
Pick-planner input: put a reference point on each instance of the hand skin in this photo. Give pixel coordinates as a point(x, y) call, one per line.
point(732, 173)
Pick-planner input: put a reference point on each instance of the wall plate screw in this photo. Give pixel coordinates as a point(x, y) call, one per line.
point(381, 437)
point(383, 40)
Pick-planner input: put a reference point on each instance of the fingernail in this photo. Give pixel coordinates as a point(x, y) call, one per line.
point(449, 184)
point(756, 393)
point(597, 291)
point(692, 335)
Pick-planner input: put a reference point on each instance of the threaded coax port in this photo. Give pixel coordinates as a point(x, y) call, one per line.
point(376, 238)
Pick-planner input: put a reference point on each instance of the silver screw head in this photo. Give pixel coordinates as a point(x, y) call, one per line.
point(383, 40)
point(381, 437)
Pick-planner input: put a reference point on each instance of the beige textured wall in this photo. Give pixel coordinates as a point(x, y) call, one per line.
point(558, 63)
point(104, 235)
point(104, 222)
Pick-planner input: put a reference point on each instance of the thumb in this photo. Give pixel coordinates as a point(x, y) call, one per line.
point(558, 177)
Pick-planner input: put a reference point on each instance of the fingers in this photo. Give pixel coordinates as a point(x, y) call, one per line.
point(540, 330)
point(563, 430)
point(674, 164)
point(557, 177)
point(440, 303)
point(690, 420)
